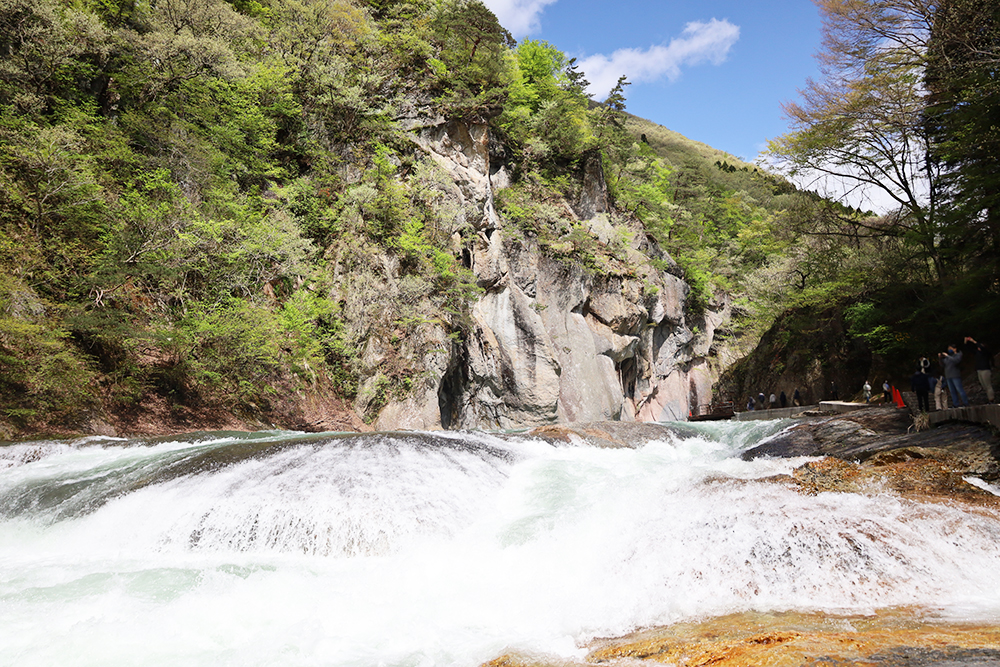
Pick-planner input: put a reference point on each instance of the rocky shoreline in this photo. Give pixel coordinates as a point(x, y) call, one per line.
point(880, 447)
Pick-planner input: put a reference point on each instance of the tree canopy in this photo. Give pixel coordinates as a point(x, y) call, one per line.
point(861, 127)
point(907, 107)
point(963, 116)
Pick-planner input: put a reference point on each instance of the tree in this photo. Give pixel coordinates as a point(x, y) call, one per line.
point(613, 109)
point(863, 125)
point(963, 78)
point(471, 28)
point(613, 139)
point(609, 120)
point(576, 81)
point(540, 64)
point(46, 53)
point(472, 44)
point(545, 114)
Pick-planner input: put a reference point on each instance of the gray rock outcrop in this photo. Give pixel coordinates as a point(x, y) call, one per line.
point(551, 340)
point(880, 436)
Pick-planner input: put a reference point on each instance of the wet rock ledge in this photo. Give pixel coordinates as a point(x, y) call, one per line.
point(879, 449)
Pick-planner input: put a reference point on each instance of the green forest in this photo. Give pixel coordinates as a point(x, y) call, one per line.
point(185, 184)
point(908, 107)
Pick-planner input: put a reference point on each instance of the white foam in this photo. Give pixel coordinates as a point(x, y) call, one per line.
point(410, 552)
point(983, 484)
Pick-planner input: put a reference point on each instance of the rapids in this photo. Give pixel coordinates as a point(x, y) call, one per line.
point(416, 549)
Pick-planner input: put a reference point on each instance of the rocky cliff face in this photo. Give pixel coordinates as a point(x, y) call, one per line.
point(809, 350)
point(549, 340)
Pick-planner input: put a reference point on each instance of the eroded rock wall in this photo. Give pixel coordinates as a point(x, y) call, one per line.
point(549, 340)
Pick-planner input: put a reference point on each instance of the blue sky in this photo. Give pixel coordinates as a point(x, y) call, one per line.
point(716, 71)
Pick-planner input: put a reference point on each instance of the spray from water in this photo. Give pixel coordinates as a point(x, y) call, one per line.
point(413, 549)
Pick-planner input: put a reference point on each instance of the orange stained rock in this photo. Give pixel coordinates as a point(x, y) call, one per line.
point(792, 649)
point(775, 640)
point(920, 479)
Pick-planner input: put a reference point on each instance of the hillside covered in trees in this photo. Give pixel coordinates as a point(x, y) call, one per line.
point(232, 208)
point(908, 111)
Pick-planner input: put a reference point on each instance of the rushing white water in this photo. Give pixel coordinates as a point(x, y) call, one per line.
point(395, 549)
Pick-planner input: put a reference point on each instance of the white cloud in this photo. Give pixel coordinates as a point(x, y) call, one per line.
point(520, 17)
point(700, 42)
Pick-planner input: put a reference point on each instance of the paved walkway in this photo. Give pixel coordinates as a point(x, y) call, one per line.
point(788, 413)
point(988, 413)
point(777, 413)
point(982, 414)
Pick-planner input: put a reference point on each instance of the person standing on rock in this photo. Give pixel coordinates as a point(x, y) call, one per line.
point(774, 401)
point(940, 398)
point(952, 362)
point(984, 366)
point(796, 398)
point(920, 383)
point(783, 400)
point(833, 391)
point(761, 401)
point(750, 405)
point(886, 392)
point(868, 392)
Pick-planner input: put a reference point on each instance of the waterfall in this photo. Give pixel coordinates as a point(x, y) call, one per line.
point(441, 549)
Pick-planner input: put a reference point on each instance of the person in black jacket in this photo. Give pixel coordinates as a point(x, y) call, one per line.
point(921, 384)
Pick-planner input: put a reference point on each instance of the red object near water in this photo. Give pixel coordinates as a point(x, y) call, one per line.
point(898, 398)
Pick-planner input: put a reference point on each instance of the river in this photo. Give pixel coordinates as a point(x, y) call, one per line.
point(442, 549)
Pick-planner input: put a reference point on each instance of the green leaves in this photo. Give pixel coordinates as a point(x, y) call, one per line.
point(42, 377)
point(471, 38)
point(242, 256)
point(963, 77)
point(204, 197)
point(50, 51)
point(471, 44)
point(545, 115)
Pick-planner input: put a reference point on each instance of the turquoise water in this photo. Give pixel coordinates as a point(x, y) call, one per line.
point(440, 549)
